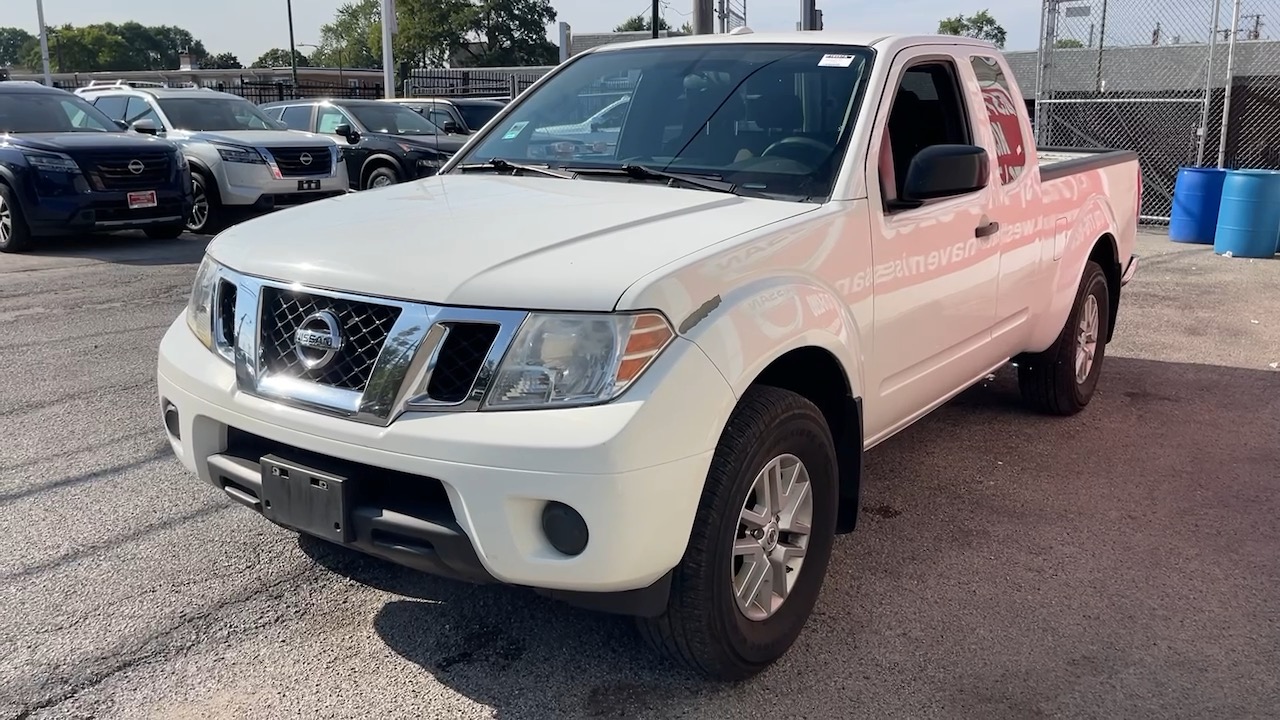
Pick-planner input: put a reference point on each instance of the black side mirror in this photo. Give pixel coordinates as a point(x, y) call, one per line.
point(347, 132)
point(941, 171)
point(452, 127)
point(121, 124)
point(146, 127)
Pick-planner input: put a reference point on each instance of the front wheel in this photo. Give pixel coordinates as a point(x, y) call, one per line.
point(760, 543)
point(1062, 379)
point(381, 177)
point(206, 210)
point(15, 236)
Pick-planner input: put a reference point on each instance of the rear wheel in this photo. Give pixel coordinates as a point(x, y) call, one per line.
point(1062, 379)
point(15, 236)
point(760, 543)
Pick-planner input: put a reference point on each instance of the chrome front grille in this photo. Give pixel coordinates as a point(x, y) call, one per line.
point(365, 326)
point(364, 358)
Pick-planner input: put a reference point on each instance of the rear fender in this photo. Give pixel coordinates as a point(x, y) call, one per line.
point(1085, 227)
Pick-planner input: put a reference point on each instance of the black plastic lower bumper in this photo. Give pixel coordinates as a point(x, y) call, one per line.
point(405, 519)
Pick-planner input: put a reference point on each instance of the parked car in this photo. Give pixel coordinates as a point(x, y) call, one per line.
point(386, 144)
point(599, 131)
point(242, 163)
point(66, 168)
point(645, 383)
point(457, 116)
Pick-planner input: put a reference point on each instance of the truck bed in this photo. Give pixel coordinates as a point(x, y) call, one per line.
point(1057, 162)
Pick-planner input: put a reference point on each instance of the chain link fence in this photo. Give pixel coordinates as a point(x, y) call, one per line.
point(1182, 82)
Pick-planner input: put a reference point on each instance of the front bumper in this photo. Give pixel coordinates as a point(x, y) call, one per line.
point(104, 212)
point(462, 495)
point(255, 186)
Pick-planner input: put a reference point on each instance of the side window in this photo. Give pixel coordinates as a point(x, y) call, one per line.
point(139, 109)
point(1002, 111)
point(328, 120)
point(297, 117)
point(612, 120)
point(928, 109)
point(79, 118)
point(439, 117)
point(112, 107)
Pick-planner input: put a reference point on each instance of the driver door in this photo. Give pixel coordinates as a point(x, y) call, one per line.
point(937, 265)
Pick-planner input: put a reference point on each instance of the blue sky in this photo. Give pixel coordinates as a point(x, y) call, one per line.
point(249, 27)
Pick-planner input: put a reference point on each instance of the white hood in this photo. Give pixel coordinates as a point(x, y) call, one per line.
point(272, 138)
point(493, 241)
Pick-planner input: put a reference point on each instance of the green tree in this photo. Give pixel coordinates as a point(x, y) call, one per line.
point(221, 61)
point(15, 45)
point(980, 25)
point(353, 39)
point(112, 47)
point(511, 32)
point(279, 57)
point(1068, 44)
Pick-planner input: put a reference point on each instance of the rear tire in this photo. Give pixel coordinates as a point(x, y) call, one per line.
point(15, 236)
point(705, 627)
point(165, 232)
point(1062, 379)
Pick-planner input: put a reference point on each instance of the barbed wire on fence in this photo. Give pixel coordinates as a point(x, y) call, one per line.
point(1152, 76)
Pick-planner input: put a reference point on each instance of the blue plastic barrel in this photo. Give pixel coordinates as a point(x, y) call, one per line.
point(1197, 194)
point(1249, 217)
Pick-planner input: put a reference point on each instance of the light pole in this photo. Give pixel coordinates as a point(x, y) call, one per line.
point(44, 43)
point(293, 53)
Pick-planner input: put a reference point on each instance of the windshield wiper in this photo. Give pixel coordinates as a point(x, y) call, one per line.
point(501, 164)
point(644, 172)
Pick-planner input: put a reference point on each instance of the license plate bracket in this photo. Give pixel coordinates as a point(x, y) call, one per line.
point(305, 499)
point(142, 199)
point(308, 184)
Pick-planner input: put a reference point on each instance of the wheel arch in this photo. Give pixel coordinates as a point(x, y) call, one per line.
point(375, 161)
point(814, 373)
point(1106, 253)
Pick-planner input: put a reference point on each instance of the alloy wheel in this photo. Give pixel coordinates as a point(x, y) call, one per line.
point(774, 527)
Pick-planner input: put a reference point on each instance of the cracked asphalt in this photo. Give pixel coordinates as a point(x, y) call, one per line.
point(1121, 563)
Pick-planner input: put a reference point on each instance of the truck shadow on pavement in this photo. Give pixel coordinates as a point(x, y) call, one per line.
point(1006, 565)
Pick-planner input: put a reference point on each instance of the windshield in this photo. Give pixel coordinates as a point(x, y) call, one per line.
point(771, 119)
point(477, 115)
point(215, 114)
point(50, 112)
point(392, 119)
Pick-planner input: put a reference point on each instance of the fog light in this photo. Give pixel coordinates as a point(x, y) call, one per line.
point(171, 420)
point(565, 529)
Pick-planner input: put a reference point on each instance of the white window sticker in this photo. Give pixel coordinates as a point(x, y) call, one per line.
point(835, 61)
point(514, 132)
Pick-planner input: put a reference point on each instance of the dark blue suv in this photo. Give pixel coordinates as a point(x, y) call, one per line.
point(66, 168)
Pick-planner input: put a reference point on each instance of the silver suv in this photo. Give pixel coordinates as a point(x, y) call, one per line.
point(242, 162)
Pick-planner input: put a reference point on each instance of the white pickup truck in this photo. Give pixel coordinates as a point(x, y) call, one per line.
point(642, 379)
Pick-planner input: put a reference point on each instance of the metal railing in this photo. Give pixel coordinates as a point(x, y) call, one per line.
point(1182, 82)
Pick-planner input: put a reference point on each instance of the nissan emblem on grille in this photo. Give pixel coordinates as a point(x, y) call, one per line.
point(318, 339)
point(136, 167)
point(305, 158)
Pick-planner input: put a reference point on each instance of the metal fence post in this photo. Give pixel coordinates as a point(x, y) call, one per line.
point(1231, 80)
point(1208, 85)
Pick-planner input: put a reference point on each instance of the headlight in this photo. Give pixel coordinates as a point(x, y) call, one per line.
point(564, 360)
point(52, 162)
point(200, 305)
point(237, 154)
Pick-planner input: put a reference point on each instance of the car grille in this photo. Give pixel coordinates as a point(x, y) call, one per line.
point(365, 327)
point(459, 362)
point(111, 171)
point(291, 161)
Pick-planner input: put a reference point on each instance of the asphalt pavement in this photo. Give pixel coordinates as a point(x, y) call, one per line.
point(1121, 563)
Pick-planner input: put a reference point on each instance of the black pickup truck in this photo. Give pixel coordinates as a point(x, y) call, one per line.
point(65, 168)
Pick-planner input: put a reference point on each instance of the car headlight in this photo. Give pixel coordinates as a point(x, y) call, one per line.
point(571, 359)
point(238, 154)
point(200, 305)
point(52, 162)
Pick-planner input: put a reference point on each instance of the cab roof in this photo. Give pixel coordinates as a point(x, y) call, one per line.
point(880, 41)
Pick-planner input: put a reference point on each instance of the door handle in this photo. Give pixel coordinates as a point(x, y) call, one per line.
point(983, 231)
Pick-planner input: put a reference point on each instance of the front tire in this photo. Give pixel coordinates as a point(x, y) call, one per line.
point(381, 176)
point(15, 236)
point(1062, 379)
point(760, 543)
point(206, 210)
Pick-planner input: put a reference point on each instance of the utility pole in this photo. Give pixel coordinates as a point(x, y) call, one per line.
point(44, 43)
point(655, 16)
point(704, 17)
point(388, 55)
point(293, 53)
point(808, 14)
